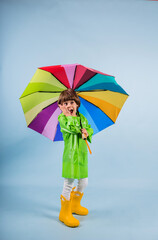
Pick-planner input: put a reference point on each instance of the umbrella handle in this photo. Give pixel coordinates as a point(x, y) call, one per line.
point(84, 138)
point(88, 147)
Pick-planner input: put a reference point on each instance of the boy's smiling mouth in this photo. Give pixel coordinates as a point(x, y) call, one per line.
point(71, 111)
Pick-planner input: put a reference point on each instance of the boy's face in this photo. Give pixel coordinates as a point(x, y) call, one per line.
point(69, 108)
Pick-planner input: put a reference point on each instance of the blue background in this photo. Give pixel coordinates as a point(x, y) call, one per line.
point(119, 38)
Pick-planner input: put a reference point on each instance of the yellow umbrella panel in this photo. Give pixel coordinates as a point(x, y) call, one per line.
point(109, 102)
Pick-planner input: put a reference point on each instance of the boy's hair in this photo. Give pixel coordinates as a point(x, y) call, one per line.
point(67, 95)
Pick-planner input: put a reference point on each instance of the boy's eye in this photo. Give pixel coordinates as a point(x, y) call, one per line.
point(65, 104)
point(72, 102)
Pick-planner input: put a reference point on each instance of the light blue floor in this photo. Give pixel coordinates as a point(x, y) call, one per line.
point(31, 184)
point(32, 213)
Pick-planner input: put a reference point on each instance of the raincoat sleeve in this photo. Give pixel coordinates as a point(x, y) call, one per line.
point(69, 124)
point(88, 128)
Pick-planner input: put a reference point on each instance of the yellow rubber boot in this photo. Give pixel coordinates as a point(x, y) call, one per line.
point(75, 203)
point(65, 215)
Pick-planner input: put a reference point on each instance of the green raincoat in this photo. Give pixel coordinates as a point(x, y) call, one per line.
point(75, 156)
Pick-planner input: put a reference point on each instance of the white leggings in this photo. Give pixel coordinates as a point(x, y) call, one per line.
point(69, 183)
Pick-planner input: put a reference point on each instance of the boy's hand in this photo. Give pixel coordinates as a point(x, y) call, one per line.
point(63, 109)
point(84, 133)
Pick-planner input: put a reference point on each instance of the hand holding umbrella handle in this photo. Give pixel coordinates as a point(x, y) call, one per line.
point(84, 138)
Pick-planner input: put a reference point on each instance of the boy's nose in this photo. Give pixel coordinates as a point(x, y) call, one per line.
point(69, 104)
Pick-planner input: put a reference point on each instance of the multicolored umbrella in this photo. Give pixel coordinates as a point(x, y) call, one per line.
point(100, 95)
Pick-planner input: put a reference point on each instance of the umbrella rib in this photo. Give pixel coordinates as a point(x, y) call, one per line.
point(74, 77)
point(40, 92)
point(100, 90)
point(60, 81)
point(55, 131)
point(54, 76)
point(99, 108)
point(57, 78)
point(86, 80)
point(96, 90)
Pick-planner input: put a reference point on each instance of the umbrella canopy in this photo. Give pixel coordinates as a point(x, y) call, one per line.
point(100, 95)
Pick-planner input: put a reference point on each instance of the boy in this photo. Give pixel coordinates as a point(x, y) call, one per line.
point(75, 128)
